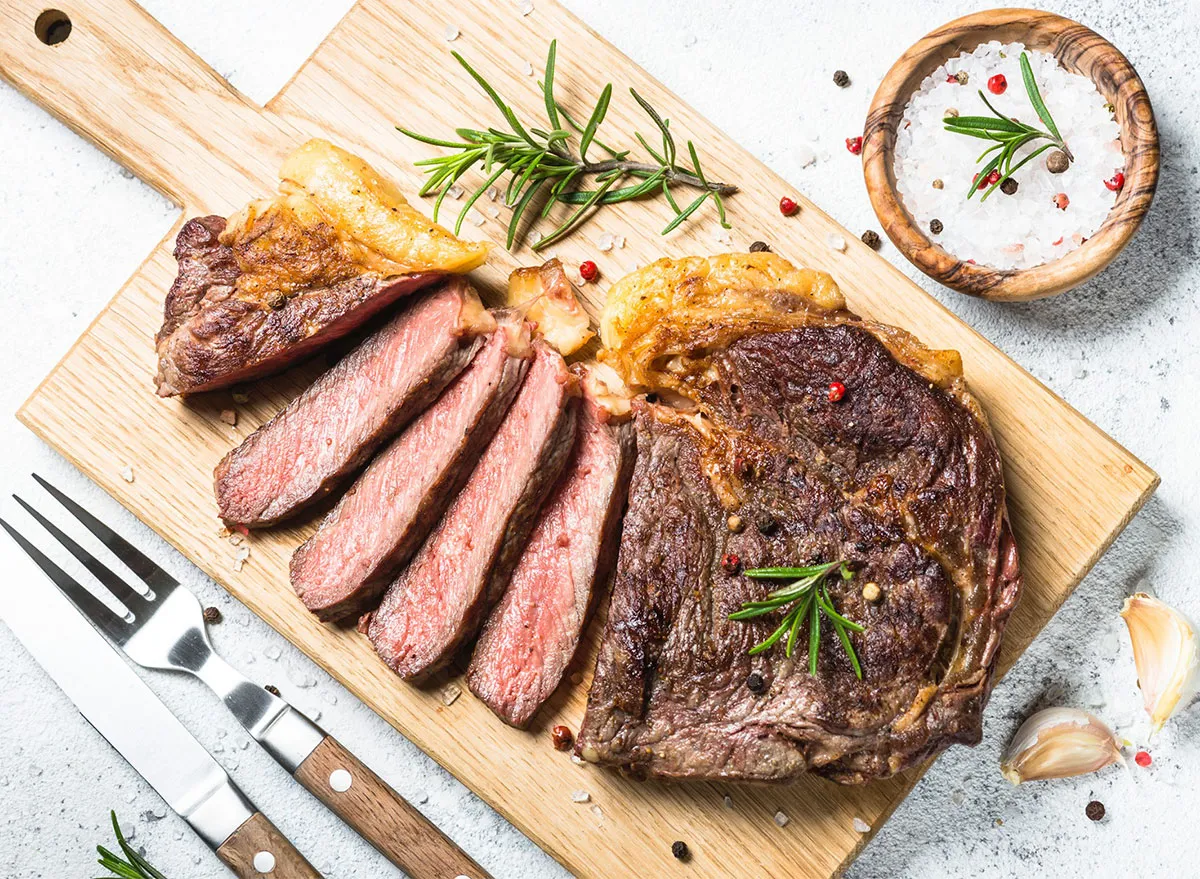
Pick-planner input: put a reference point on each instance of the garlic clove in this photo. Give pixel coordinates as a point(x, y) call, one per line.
point(1059, 743)
point(1165, 652)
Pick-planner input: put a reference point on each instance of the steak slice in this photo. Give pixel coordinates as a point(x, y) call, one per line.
point(212, 337)
point(899, 479)
point(343, 569)
point(459, 572)
point(532, 634)
point(332, 428)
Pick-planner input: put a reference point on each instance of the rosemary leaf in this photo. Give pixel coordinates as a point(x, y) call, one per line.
point(814, 636)
point(548, 88)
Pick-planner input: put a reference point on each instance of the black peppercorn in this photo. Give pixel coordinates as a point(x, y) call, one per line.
point(1095, 810)
point(754, 682)
point(841, 79)
point(272, 689)
point(861, 546)
point(871, 239)
point(935, 226)
point(1009, 186)
point(212, 615)
point(679, 849)
point(767, 526)
point(1057, 162)
point(760, 247)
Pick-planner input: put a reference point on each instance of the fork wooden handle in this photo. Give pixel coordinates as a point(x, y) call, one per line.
point(258, 849)
point(385, 819)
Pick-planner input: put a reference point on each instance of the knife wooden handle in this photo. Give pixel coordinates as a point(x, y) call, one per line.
point(382, 816)
point(258, 849)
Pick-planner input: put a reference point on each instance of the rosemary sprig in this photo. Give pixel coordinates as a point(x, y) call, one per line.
point(1009, 135)
point(553, 165)
point(809, 598)
point(136, 867)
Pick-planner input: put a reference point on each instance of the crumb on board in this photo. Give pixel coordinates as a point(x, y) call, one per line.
point(229, 416)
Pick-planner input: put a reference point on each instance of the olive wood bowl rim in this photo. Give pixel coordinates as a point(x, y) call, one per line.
point(1069, 41)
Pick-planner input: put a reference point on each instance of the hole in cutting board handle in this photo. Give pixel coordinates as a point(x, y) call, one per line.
point(52, 27)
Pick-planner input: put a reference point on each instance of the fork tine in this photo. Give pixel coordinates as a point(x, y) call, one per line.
point(89, 605)
point(133, 558)
point(125, 593)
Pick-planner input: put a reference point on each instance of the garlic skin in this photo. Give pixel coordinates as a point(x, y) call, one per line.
point(1165, 652)
point(1059, 743)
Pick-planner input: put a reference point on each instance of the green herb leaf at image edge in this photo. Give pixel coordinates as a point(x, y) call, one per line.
point(136, 867)
point(542, 164)
point(807, 599)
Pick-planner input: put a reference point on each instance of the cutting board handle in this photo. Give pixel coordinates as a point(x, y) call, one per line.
point(116, 76)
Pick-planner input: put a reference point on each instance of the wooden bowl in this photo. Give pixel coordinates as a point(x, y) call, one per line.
point(1079, 50)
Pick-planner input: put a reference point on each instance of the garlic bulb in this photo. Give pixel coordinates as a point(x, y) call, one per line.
point(1164, 649)
point(1059, 743)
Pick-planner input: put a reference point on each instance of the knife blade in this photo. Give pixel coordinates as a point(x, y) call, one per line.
point(131, 718)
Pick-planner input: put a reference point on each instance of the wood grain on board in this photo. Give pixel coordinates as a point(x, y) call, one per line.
point(124, 82)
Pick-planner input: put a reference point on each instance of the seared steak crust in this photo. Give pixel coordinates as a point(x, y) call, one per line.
point(899, 479)
point(212, 337)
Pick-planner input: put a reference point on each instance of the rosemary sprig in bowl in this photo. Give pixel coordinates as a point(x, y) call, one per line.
point(1009, 135)
point(808, 597)
point(550, 167)
point(135, 867)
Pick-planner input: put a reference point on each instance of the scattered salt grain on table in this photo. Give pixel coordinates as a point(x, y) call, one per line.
point(861, 826)
point(455, 192)
point(1025, 228)
point(728, 801)
point(273, 653)
point(127, 473)
point(526, 7)
point(781, 819)
point(450, 33)
point(474, 217)
point(605, 242)
point(449, 693)
point(836, 242)
point(528, 68)
point(580, 796)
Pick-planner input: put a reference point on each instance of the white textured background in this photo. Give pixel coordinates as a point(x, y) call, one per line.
point(1122, 349)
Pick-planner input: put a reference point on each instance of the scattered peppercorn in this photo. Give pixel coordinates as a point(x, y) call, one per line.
point(272, 689)
point(1009, 186)
point(997, 84)
point(1095, 810)
point(841, 79)
point(1142, 758)
point(861, 546)
point(951, 112)
point(935, 226)
point(788, 206)
point(730, 563)
point(735, 524)
point(1115, 182)
point(755, 682)
point(1110, 107)
point(276, 300)
point(872, 593)
point(854, 144)
point(767, 526)
point(938, 184)
point(992, 178)
point(837, 390)
point(562, 738)
point(212, 615)
point(961, 77)
point(1061, 201)
point(760, 247)
point(588, 270)
point(871, 239)
point(680, 850)
point(1057, 162)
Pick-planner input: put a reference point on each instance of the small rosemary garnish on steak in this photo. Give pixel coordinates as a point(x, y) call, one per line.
point(809, 598)
point(1009, 136)
point(137, 867)
point(546, 166)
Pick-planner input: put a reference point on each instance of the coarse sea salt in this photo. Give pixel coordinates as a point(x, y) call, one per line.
point(1027, 228)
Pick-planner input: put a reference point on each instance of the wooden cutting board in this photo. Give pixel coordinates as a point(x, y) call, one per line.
point(122, 81)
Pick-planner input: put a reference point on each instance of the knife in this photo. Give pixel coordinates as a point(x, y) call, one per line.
point(142, 730)
point(164, 629)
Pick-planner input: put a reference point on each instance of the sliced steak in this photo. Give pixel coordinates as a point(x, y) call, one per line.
point(214, 336)
point(343, 569)
point(532, 634)
point(332, 428)
point(899, 479)
point(460, 571)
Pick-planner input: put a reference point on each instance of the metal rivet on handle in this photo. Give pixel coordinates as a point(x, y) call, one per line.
point(340, 780)
point(264, 862)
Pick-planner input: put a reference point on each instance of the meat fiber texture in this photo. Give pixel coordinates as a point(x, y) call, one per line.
point(331, 429)
point(440, 600)
point(533, 632)
point(212, 338)
point(343, 569)
point(897, 478)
